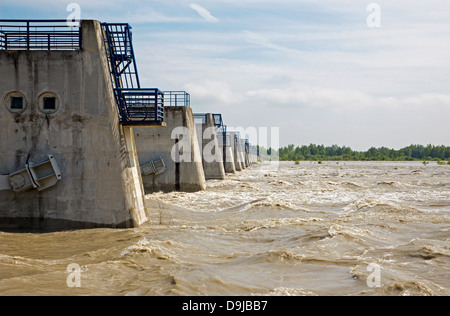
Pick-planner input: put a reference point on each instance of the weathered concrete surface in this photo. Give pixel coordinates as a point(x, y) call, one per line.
point(210, 151)
point(229, 160)
point(227, 152)
point(177, 145)
point(239, 152)
point(100, 185)
point(236, 152)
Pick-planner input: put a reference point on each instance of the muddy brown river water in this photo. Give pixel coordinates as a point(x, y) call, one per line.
point(348, 228)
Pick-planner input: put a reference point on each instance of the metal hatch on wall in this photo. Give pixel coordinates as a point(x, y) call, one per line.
point(38, 176)
point(155, 167)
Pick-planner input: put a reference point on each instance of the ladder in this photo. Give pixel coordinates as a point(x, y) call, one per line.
point(119, 49)
point(135, 105)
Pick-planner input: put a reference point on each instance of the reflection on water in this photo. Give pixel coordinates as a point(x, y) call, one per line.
point(304, 229)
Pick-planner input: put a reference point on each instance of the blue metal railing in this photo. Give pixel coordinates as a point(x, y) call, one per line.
point(199, 118)
point(218, 122)
point(39, 35)
point(140, 105)
point(177, 98)
point(2, 40)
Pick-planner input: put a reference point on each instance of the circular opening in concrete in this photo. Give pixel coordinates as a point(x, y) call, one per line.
point(15, 102)
point(48, 102)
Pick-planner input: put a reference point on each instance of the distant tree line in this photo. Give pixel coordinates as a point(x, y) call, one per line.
point(335, 152)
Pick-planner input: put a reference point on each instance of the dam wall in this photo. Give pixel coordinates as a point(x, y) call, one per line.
point(176, 145)
point(211, 153)
point(227, 152)
point(237, 154)
point(66, 161)
point(82, 143)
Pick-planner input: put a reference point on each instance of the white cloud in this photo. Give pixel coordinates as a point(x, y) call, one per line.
point(204, 13)
point(260, 40)
point(213, 92)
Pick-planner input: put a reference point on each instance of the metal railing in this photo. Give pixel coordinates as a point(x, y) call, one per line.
point(140, 105)
point(199, 118)
point(3, 43)
point(218, 122)
point(177, 98)
point(39, 35)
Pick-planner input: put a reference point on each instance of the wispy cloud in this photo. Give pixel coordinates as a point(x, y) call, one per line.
point(204, 13)
point(260, 40)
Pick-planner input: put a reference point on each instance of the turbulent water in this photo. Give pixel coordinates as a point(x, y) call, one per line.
point(353, 228)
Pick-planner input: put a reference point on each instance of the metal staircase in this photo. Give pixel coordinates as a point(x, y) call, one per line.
point(135, 105)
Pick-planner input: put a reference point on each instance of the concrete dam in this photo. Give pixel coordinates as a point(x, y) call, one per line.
point(82, 142)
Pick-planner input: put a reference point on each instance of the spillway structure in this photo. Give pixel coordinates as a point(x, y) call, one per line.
point(70, 101)
point(82, 142)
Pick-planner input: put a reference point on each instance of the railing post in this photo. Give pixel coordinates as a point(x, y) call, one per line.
point(162, 106)
point(6, 41)
point(48, 36)
point(28, 35)
point(79, 36)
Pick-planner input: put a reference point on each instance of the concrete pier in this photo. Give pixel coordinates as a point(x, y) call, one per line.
point(244, 146)
point(210, 151)
point(241, 152)
point(60, 104)
point(177, 146)
point(227, 152)
point(236, 153)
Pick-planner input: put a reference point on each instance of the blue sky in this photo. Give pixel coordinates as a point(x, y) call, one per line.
point(312, 68)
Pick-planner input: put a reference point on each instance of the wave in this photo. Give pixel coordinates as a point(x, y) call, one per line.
point(379, 205)
point(424, 249)
point(291, 258)
point(286, 291)
point(408, 288)
point(161, 250)
point(353, 232)
point(350, 184)
point(390, 183)
point(251, 225)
